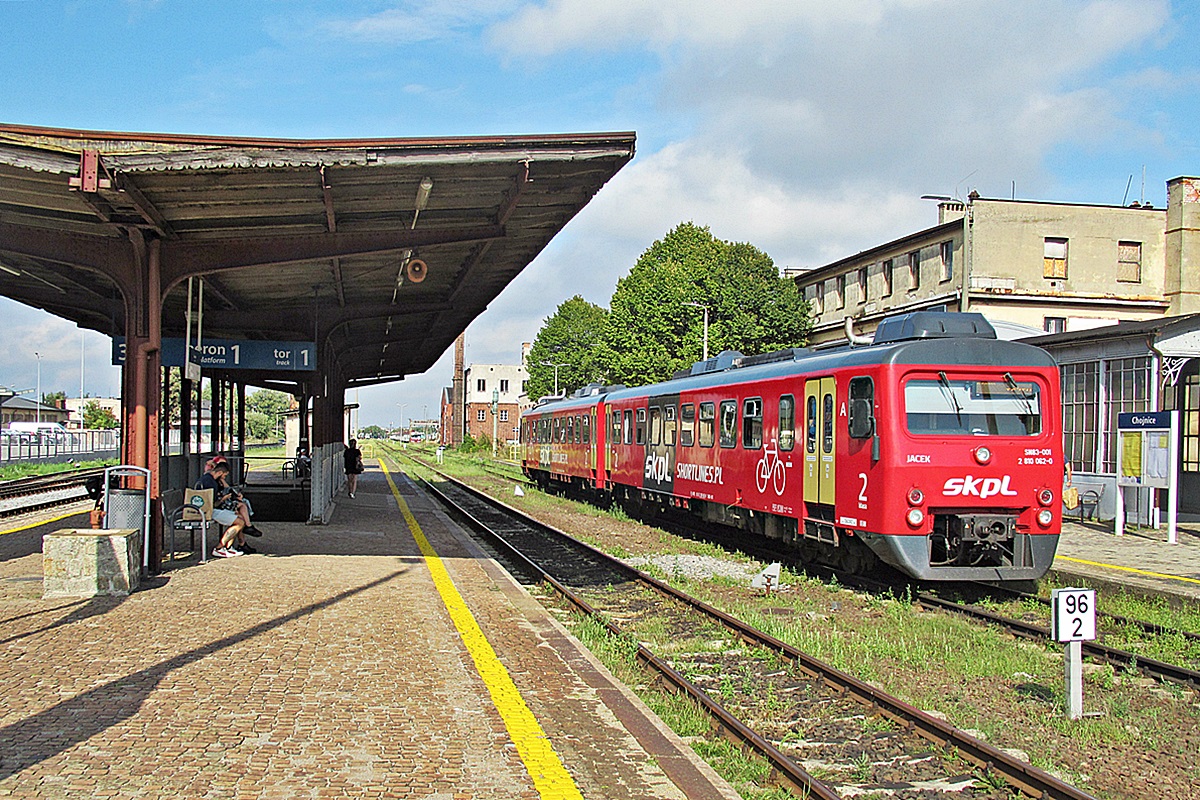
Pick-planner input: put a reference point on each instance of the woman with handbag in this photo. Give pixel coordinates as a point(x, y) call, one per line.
point(354, 465)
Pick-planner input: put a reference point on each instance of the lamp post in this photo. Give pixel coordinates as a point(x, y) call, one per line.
point(495, 419)
point(556, 366)
point(38, 398)
point(701, 305)
point(402, 406)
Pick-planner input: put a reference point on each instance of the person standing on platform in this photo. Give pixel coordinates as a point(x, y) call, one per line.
point(354, 465)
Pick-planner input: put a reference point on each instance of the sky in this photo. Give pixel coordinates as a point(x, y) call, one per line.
point(807, 128)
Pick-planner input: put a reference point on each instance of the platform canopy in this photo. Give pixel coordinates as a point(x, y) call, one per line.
point(381, 251)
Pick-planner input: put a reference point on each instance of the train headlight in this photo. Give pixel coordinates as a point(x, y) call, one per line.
point(1045, 497)
point(915, 496)
point(983, 455)
point(915, 517)
point(1045, 517)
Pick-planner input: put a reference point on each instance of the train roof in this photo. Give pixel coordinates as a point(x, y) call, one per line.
point(913, 339)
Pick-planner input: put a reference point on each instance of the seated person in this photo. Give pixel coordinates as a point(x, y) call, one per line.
point(230, 510)
point(303, 463)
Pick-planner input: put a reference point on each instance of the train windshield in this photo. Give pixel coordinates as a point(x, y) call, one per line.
point(949, 406)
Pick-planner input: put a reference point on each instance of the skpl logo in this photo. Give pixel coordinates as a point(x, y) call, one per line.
point(656, 468)
point(983, 488)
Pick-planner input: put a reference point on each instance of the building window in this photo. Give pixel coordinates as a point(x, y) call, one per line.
point(503, 387)
point(1187, 389)
point(481, 385)
point(1080, 399)
point(481, 415)
point(1054, 258)
point(524, 387)
point(889, 268)
point(1129, 262)
point(947, 251)
point(504, 416)
point(1126, 389)
point(914, 270)
point(862, 285)
point(820, 298)
point(1054, 324)
point(840, 288)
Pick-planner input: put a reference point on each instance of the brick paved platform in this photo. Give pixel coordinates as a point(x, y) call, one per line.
point(1142, 560)
point(326, 666)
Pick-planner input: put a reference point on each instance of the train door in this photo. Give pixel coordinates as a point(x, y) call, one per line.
point(660, 444)
point(820, 440)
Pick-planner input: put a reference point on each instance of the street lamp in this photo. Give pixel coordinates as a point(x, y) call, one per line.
point(701, 305)
point(38, 398)
point(556, 366)
point(402, 406)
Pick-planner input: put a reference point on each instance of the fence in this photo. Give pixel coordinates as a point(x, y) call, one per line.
point(69, 446)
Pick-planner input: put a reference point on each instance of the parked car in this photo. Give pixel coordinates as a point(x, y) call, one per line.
point(42, 431)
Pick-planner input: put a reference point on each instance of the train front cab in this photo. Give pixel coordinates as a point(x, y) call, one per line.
point(972, 458)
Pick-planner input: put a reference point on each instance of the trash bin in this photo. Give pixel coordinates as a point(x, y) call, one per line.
point(126, 509)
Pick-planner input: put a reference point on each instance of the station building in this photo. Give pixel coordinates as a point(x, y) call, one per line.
point(1055, 267)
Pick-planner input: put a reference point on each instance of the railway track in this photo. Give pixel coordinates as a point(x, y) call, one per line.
point(40, 492)
point(824, 733)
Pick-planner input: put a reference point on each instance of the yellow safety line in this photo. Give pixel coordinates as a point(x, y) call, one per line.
point(550, 777)
point(43, 522)
point(1128, 569)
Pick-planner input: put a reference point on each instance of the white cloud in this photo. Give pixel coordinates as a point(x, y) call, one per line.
point(423, 21)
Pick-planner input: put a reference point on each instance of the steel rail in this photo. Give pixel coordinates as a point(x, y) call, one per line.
point(1152, 628)
point(1019, 774)
point(1111, 655)
point(784, 768)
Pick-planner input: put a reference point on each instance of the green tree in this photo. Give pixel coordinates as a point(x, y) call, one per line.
point(95, 417)
point(53, 398)
point(570, 337)
point(651, 333)
point(263, 411)
point(372, 432)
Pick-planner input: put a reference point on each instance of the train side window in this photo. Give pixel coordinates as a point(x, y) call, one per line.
point(628, 427)
point(687, 425)
point(862, 408)
point(728, 423)
point(787, 422)
point(615, 437)
point(752, 423)
point(578, 430)
point(669, 426)
point(827, 424)
point(810, 443)
point(656, 424)
point(708, 412)
point(640, 430)
point(571, 429)
point(587, 429)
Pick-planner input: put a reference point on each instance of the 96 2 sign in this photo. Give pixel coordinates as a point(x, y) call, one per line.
point(1073, 617)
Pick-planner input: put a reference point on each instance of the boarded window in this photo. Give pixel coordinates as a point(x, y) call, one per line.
point(1129, 262)
point(787, 422)
point(1054, 258)
point(708, 412)
point(862, 285)
point(947, 251)
point(729, 423)
point(687, 424)
point(840, 286)
point(752, 423)
point(889, 268)
point(914, 270)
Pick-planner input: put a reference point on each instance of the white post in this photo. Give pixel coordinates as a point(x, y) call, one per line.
point(1074, 673)
point(1173, 479)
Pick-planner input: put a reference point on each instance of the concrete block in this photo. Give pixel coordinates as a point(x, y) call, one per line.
point(89, 562)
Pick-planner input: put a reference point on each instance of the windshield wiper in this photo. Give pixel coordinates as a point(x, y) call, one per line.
point(1025, 398)
point(944, 382)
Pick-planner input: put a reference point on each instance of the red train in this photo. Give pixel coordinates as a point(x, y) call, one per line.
point(936, 449)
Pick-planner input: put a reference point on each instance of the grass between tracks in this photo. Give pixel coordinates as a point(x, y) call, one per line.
point(1138, 739)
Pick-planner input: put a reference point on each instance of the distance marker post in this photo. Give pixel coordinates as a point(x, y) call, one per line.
point(1073, 621)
